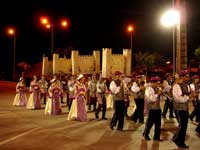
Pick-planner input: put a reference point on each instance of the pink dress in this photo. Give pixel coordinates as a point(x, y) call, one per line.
point(78, 108)
point(34, 101)
point(53, 106)
point(20, 97)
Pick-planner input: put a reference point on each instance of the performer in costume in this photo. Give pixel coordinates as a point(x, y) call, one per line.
point(92, 87)
point(78, 109)
point(20, 97)
point(152, 96)
point(138, 88)
point(109, 96)
point(71, 89)
point(34, 101)
point(195, 88)
point(167, 90)
point(181, 95)
point(43, 90)
point(101, 99)
point(116, 87)
point(53, 103)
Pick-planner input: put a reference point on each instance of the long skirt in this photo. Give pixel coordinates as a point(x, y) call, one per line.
point(78, 109)
point(34, 101)
point(52, 106)
point(109, 101)
point(20, 99)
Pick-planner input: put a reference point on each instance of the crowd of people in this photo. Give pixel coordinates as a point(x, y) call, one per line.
point(132, 97)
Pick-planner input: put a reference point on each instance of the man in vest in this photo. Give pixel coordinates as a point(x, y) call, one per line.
point(138, 89)
point(116, 87)
point(152, 96)
point(195, 88)
point(92, 93)
point(181, 95)
point(101, 99)
point(167, 90)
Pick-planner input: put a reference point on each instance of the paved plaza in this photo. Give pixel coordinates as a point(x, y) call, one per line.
point(22, 129)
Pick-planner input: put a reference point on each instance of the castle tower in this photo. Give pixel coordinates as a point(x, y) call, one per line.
point(96, 55)
point(74, 58)
point(44, 65)
point(106, 62)
point(127, 53)
point(55, 63)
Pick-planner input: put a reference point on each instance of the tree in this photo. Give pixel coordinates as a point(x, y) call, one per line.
point(197, 52)
point(148, 60)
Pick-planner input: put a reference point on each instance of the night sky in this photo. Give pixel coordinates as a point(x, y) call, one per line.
point(93, 25)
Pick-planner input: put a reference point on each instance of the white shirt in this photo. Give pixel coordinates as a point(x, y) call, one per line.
point(135, 88)
point(150, 95)
point(114, 88)
point(177, 94)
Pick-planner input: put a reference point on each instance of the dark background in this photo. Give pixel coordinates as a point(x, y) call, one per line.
point(93, 25)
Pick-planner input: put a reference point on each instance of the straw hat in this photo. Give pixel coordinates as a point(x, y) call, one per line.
point(80, 77)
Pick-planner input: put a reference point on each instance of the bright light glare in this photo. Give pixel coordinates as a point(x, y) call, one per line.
point(48, 26)
point(64, 23)
point(170, 18)
point(130, 28)
point(11, 31)
point(44, 20)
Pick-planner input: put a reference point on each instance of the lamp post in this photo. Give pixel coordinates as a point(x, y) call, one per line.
point(171, 18)
point(45, 21)
point(130, 30)
point(11, 32)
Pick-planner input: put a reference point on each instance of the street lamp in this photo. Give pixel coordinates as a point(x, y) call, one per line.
point(11, 32)
point(130, 30)
point(49, 25)
point(171, 18)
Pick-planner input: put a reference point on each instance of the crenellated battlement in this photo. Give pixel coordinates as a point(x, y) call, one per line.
point(89, 63)
point(116, 62)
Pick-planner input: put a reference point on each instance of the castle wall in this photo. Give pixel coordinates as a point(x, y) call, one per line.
point(97, 66)
point(116, 62)
point(106, 62)
point(127, 54)
point(46, 66)
point(88, 64)
point(61, 64)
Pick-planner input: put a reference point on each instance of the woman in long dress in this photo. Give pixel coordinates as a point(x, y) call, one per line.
point(78, 108)
point(55, 92)
point(20, 97)
point(34, 101)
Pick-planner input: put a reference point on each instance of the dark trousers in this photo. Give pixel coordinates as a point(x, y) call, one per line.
point(198, 129)
point(126, 105)
point(154, 118)
point(139, 112)
point(168, 105)
point(180, 134)
point(92, 101)
point(43, 96)
point(69, 103)
point(103, 106)
point(118, 115)
point(195, 113)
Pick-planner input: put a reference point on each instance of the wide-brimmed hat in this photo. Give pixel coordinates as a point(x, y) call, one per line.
point(21, 78)
point(52, 80)
point(80, 77)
